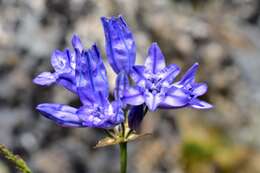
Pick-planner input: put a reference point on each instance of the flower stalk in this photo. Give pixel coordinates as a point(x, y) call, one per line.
point(123, 157)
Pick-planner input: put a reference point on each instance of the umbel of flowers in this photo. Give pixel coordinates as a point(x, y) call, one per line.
point(81, 70)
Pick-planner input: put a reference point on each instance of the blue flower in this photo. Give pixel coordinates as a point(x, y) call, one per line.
point(120, 44)
point(192, 89)
point(153, 83)
point(92, 87)
point(82, 71)
point(64, 65)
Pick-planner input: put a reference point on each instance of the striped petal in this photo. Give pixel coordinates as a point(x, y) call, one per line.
point(99, 71)
point(138, 73)
point(169, 73)
point(133, 96)
point(85, 87)
point(120, 45)
point(76, 42)
point(155, 61)
point(175, 97)
point(122, 83)
point(45, 78)
point(189, 76)
point(199, 89)
point(153, 100)
point(199, 104)
point(67, 81)
point(91, 75)
point(62, 114)
point(104, 117)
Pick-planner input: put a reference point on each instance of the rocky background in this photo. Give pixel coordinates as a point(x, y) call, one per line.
point(222, 35)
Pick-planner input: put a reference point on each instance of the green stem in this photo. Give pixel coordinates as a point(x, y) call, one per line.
point(15, 159)
point(123, 157)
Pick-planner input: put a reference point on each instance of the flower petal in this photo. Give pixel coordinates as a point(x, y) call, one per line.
point(67, 81)
point(175, 97)
point(169, 73)
point(91, 117)
point(133, 96)
point(99, 71)
point(91, 75)
point(189, 76)
point(199, 104)
point(45, 78)
point(155, 60)
point(120, 45)
point(72, 58)
point(102, 100)
point(153, 100)
point(62, 114)
point(76, 42)
point(137, 73)
point(118, 113)
point(60, 62)
point(85, 86)
point(199, 89)
point(122, 83)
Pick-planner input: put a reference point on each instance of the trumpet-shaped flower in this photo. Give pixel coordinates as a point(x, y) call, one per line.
point(92, 87)
point(153, 82)
point(120, 45)
point(64, 65)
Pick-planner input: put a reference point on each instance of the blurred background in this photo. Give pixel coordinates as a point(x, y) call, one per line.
point(222, 35)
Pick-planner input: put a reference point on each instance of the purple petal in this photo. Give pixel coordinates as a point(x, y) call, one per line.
point(155, 60)
point(45, 78)
point(72, 58)
point(120, 45)
point(118, 113)
point(91, 75)
point(85, 88)
point(92, 117)
point(137, 73)
point(87, 97)
point(175, 97)
point(122, 83)
point(60, 62)
point(136, 116)
point(102, 100)
point(189, 76)
point(76, 43)
point(62, 114)
point(68, 82)
point(153, 100)
point(199, 104)
point(169, 73)
point(199, 89)
point(99, 71)
point(133, 96)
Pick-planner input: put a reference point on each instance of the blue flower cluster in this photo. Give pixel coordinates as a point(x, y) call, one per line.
point(82, 71)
